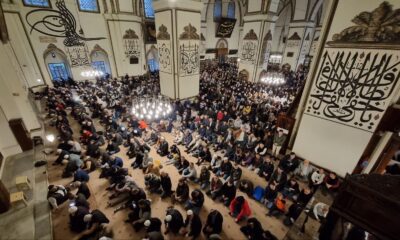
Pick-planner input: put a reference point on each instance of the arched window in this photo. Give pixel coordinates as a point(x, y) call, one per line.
point(88, 5)
point(231, 10)
point(57, 64)
point(217, 9)
point(148, 8)
point(99, 59)
point(152, 59)
point(37, 3)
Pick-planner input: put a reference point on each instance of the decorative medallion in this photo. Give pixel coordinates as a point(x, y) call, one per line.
point(295, 37)
point(130, 34)
point(190, 33)
point(163, 33)
point(251, 35)
point(379, 26)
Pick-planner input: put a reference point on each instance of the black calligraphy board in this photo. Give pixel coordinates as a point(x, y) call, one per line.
point(225, 27)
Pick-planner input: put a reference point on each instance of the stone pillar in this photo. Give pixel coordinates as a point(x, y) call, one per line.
point(255, 46)
point(178, 41)
point(354, 78)
point(298, 43)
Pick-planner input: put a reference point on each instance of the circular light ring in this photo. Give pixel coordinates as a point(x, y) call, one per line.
point(151, 108)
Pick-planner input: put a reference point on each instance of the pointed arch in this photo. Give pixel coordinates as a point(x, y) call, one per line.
point(57, 63)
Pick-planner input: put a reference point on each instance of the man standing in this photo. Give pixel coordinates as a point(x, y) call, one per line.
point(279, 139)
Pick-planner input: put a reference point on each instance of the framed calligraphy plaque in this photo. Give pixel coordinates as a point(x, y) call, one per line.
point(354, 86)
point(225, 27)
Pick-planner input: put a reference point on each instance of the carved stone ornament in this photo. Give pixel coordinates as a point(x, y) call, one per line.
point(163, 33)
point(130, 34)
point(307, 37)
point(382, 25)
point(97, 48)
point(251, 35)
point(190, 33)
point(268, 36)
point(52, 48)
point(202, 37)
point(295, 37)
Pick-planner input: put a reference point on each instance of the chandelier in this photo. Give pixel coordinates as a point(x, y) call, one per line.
point(151, 107)
point(91, 73)
point(273, 78)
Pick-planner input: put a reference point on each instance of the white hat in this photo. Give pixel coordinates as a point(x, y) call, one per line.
point(87, 217)
point(66, 156)
point(168, 218)
point(189, 212)
point(72, 209)
point(147, 223)
point(70, 142)
point(105, 238)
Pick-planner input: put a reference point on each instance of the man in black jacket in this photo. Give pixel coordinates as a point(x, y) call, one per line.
point(173, 221)
point(163, 148)
point(166, 185)
point(192, 226)
point(228, 192)
point(195, 203)
point(214, 223)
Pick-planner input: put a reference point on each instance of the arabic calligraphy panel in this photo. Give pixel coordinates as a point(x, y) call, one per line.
point(78, 55)
point(354, 87)
point(189, 57)
point(165, 57)
point(249, 51)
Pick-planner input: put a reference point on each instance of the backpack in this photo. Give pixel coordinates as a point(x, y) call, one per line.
point(258, 193)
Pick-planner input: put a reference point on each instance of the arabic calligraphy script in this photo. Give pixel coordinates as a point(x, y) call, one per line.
point(58, 23)
point(190, 59)
point(354, 87)
point(164, 56)
point(249, 51)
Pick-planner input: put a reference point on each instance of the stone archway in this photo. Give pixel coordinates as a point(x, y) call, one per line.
point(244, 75)
point(222, 50)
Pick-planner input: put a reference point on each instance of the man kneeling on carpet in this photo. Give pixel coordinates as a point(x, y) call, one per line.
point(96, 221)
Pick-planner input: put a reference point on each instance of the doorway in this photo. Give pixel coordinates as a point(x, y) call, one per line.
point(221, 50)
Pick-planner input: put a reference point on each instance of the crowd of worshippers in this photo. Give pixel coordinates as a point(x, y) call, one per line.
point(230, 126)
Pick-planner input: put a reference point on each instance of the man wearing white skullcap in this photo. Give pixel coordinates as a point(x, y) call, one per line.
point(173, 221)
point(95, 222)
point(192, 226)
point(76, 218)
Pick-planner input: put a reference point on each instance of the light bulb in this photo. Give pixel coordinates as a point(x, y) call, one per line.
point(50, 138)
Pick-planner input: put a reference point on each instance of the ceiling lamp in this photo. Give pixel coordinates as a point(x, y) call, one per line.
point(92, 73)
point(151, 107)
point(273, 78)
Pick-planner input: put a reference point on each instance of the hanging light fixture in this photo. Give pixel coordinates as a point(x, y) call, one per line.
point(151, 107)
point(273, 78)
point(91, 73)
